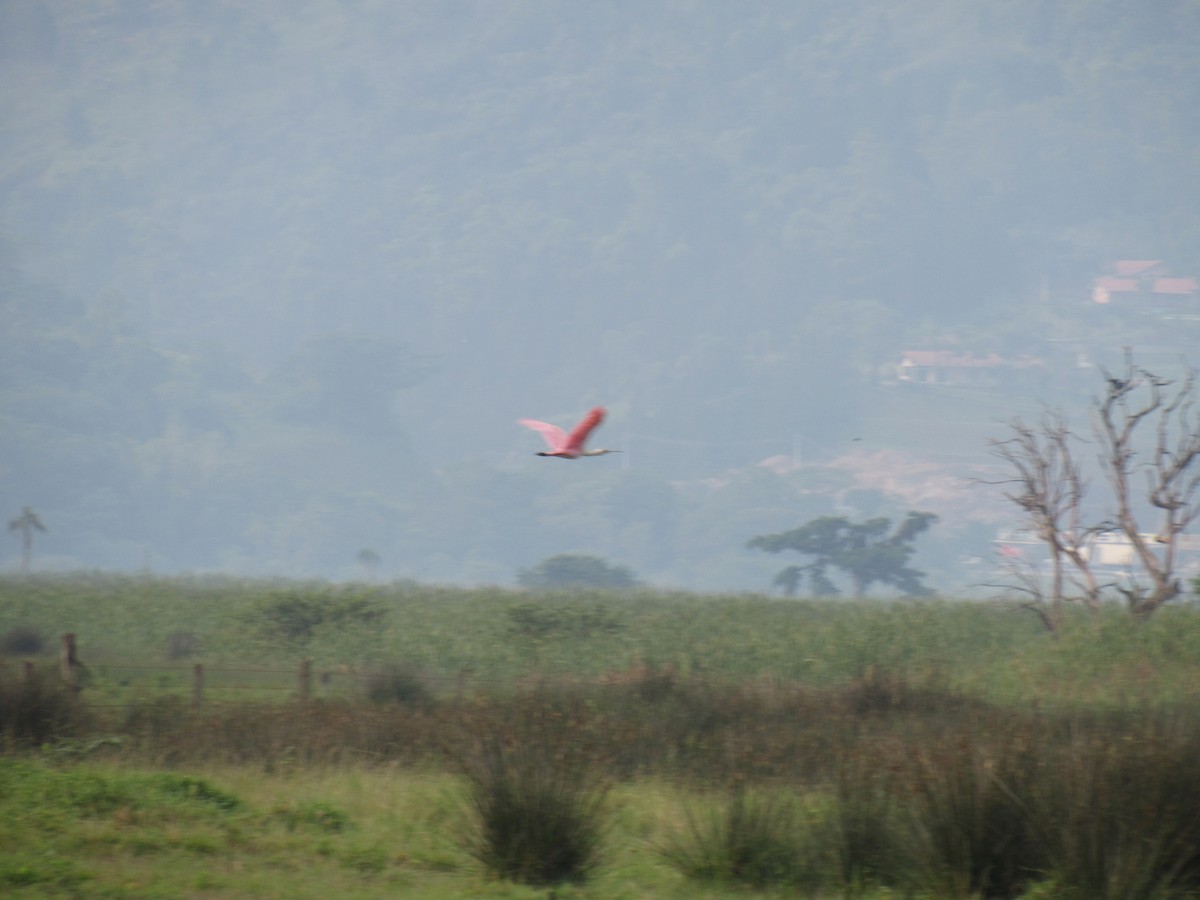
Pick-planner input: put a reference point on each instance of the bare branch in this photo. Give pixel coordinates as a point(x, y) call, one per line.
point(1171, 477)
point(1048, 488)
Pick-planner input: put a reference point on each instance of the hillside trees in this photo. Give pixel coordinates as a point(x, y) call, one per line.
point(464, 171)
point(1147, 433)
point(864, 551)
point(349, 381)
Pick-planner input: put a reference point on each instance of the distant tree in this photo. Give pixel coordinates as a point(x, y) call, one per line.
point(866, 552)
point(576, 570)
point(26, 523)
point(295, 615)
point(370, 561)
point(1047, 485)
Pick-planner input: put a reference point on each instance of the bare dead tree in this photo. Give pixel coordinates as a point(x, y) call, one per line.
point(1048, 487)
point(1172, 477)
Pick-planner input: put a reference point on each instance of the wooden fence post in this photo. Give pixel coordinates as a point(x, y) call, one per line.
point(197, 687)
point(305, 679)
point(69, 663)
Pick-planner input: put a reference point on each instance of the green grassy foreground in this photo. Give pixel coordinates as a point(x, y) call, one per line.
point(114, 831)
point(931, 749)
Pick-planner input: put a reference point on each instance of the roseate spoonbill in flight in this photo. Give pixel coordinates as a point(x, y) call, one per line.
point(569, 446)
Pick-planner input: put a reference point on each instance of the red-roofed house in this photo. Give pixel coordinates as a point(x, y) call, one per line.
point(1128, 268)
point(1176, 286)
point(1142, 279)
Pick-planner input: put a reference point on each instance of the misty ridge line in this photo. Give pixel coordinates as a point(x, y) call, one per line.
point(267, 278)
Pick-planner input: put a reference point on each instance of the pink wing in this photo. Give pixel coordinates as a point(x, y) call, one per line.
point(576, 438)
point(553, 435)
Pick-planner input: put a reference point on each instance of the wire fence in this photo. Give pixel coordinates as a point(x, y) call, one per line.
point(119, 685)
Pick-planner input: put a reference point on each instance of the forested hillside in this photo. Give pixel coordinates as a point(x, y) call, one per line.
point(276, 278)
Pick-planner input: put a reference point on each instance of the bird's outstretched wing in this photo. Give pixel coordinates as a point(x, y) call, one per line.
point(579, 434)
point(553, 435)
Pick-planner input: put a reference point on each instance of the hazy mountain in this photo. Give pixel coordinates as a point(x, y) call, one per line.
point(278, 277)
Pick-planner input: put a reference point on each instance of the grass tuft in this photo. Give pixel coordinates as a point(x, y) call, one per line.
point(197, 790)
point(319, 816)
point(539, 814)
point(754, 838)
point(1122, 812)
point(969, 792)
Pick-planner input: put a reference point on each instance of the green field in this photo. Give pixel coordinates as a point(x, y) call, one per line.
point(739, 744)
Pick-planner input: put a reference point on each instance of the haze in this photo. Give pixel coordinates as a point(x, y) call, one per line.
point(278, 278)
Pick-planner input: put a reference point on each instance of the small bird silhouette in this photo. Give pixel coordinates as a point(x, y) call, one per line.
point(569, 446)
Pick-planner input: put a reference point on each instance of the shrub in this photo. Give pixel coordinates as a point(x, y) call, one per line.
point(295, 615)
point(155, 717)
point(532, 620)
point(34, 712)
point(576, 570)
point(182, 645)
point(400, 684)
point(22, 641)
point(539, 814)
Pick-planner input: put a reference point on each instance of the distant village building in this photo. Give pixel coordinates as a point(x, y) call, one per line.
point(948, 367)
point(1112, 552)
point(1139, 280)
point(1127, 285)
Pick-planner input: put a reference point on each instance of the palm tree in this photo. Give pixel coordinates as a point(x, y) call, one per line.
point(26, 523)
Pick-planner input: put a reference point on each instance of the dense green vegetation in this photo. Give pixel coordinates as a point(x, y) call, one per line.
point(501, 636)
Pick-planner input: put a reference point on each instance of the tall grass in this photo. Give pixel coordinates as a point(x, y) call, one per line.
point(1119, 809)
point(751, 837)
point(862, 825)
point(969, 828)
point(539, 807)
point(442, 631)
